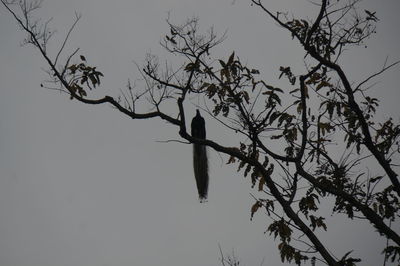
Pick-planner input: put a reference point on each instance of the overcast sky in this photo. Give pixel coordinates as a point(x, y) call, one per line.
point(86, 186)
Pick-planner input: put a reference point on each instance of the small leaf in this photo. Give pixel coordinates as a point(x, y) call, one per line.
point(93, 80)
point(205, 84)
point(254, 208)
point(231, 160)
point(255, 71)
point(73, 69)
point(189, 67)
point(323, 83)
point(246, 96)
point(261, 184)
point(247, 170)
point(375, 179)
point(299, 108)
point(230, 60)
point(84, 79)
point(276, 136)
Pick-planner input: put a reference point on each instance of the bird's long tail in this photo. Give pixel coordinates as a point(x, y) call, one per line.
point(200, 165)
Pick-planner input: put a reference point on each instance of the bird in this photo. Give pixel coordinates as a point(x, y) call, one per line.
point(200, 161)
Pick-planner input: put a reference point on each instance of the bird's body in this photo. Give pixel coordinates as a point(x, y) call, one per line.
point(200, 162)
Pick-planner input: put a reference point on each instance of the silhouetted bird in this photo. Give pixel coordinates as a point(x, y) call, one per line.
point(200, 162)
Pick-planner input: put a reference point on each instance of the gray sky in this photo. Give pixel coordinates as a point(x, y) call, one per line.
point(86, 186)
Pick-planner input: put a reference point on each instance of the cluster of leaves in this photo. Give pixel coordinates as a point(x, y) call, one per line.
point(299, 27)
point(386, 203)
point(330, 36)
point(229, 91)
point(386, 136)
point(83, 75)
point(392, 252)
point(309, 203)
point(248, 150)
point(288, 253)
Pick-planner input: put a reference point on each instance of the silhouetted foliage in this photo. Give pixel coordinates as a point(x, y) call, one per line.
point(322, 107)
